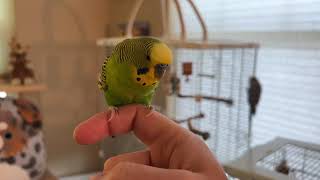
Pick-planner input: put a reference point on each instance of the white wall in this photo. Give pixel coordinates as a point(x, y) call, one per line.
point(62, 35)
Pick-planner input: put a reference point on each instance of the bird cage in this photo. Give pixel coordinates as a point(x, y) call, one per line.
point(209, 89)
point(213, 82)
point(209, 82)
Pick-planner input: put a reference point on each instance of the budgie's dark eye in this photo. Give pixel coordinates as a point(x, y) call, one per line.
point(148, 58)
point(142, 71)
point(8, 135)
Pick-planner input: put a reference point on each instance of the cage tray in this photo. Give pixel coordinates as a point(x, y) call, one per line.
point(302, 161)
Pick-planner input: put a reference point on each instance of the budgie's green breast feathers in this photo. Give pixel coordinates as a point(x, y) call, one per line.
point(133, 70)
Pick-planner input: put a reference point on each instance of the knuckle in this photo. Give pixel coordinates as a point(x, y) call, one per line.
point(120, 171)
point(123, 166)
point(110, 162)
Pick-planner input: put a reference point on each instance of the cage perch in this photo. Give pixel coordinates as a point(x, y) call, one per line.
point(199, 97)
point(206, 75)
point(199, 116)
point(205, 135)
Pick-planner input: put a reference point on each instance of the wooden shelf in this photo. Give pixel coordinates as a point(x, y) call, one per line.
point(23, 88)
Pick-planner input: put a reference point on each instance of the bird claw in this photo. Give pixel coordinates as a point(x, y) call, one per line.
point(113, 108)
point(151, 109)
point(114, 112)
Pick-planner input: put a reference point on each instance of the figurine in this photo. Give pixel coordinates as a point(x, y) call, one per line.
point(19, 66)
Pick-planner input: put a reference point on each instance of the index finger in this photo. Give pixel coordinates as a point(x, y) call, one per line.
point(171, 146)
point(149, 126)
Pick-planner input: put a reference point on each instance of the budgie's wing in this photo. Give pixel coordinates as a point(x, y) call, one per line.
point(102, 82)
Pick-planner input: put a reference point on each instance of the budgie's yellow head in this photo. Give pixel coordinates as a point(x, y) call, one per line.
point(160, 53)
point(154, 62)
point(160, 57)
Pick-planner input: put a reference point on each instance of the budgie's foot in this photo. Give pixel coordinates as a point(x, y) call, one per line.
point(114, 111)
point(113, 107)
point(150, 109)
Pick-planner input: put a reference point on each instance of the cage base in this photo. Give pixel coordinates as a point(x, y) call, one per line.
point(261, 161)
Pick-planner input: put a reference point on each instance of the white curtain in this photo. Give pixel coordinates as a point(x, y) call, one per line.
point(289, 58)
point(6, 28)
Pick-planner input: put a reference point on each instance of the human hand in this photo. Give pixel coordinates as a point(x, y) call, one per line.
point(173, 152)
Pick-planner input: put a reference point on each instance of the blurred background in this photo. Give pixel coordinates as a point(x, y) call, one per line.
point(261, 55)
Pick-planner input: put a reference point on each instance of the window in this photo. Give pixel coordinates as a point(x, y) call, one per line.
point(255, 15)
point(288, 63)
point(6, 24)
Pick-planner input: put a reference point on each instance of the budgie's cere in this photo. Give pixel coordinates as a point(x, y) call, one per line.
point(133, 71)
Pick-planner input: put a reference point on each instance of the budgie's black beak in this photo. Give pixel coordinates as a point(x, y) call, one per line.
point(160, 69)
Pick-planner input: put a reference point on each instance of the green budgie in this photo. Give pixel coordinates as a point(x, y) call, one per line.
point(133, 71)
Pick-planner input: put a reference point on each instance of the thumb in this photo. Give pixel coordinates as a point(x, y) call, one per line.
point(132, 171)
